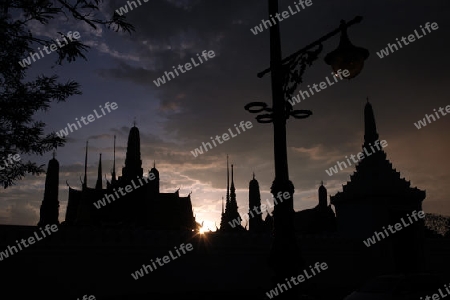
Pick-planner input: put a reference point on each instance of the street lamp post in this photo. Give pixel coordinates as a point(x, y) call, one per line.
point(284, 255)
point(285, 258)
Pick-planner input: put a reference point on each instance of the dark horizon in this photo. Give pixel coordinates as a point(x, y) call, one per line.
point(121, 68)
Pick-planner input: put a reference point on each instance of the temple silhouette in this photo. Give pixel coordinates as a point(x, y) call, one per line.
point(141, 205)
point(231, 209)
point(374, 196)
point(133, 227)
point(318, 220)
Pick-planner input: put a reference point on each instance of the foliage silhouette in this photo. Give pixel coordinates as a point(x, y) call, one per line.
point(20, 96)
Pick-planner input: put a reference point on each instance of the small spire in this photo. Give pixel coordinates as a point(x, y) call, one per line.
point(154, 164)
point(113, 174)
point(228, 182)
point(232, 188)
point(232, 176)
point(370, 127)
point(98, 185)
point(321, 183)
point(85, 165)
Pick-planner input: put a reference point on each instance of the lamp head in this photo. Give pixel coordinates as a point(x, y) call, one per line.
point(347, 56)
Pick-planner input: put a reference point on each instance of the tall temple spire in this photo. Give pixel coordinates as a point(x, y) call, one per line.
point(228, 183)
point(233, 203)
point(232, 189)
point(224, 217)
point(154, 184)
point(85, 166)
point(49, 211)
point(113, 174)
point(370, 127)
point(231, 209)
point(133, 162)
point(372, 187)
point(323, 202)
point(98, 185)
point(254, 200)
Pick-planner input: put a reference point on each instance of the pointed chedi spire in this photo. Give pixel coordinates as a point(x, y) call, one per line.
point(154, 184)
point(228, 184)
point(113, 173)
point(370, 127)
point(232, 212)
point(98, 185)
point(232, 189)
point(322, 196)
point(133, 162)
point(254, 200)
point(233, 202)
point(49, 211)
point(85, 166)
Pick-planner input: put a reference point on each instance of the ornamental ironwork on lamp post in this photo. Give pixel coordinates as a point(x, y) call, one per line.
point(285, 259)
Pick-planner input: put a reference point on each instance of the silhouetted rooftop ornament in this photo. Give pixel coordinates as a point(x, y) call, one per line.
point(85, 165)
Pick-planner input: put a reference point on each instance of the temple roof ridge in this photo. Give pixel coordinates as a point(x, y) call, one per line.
point(374, 176)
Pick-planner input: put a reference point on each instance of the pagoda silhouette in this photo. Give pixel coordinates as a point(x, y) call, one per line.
point(129, 200)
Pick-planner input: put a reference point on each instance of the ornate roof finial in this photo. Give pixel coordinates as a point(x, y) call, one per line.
point(85, 165)
point(232, 176)
point(228, 182)
point(370, 127)
point(113, 174)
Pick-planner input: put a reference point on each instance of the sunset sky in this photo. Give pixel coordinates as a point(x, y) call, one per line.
point(207, 100)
